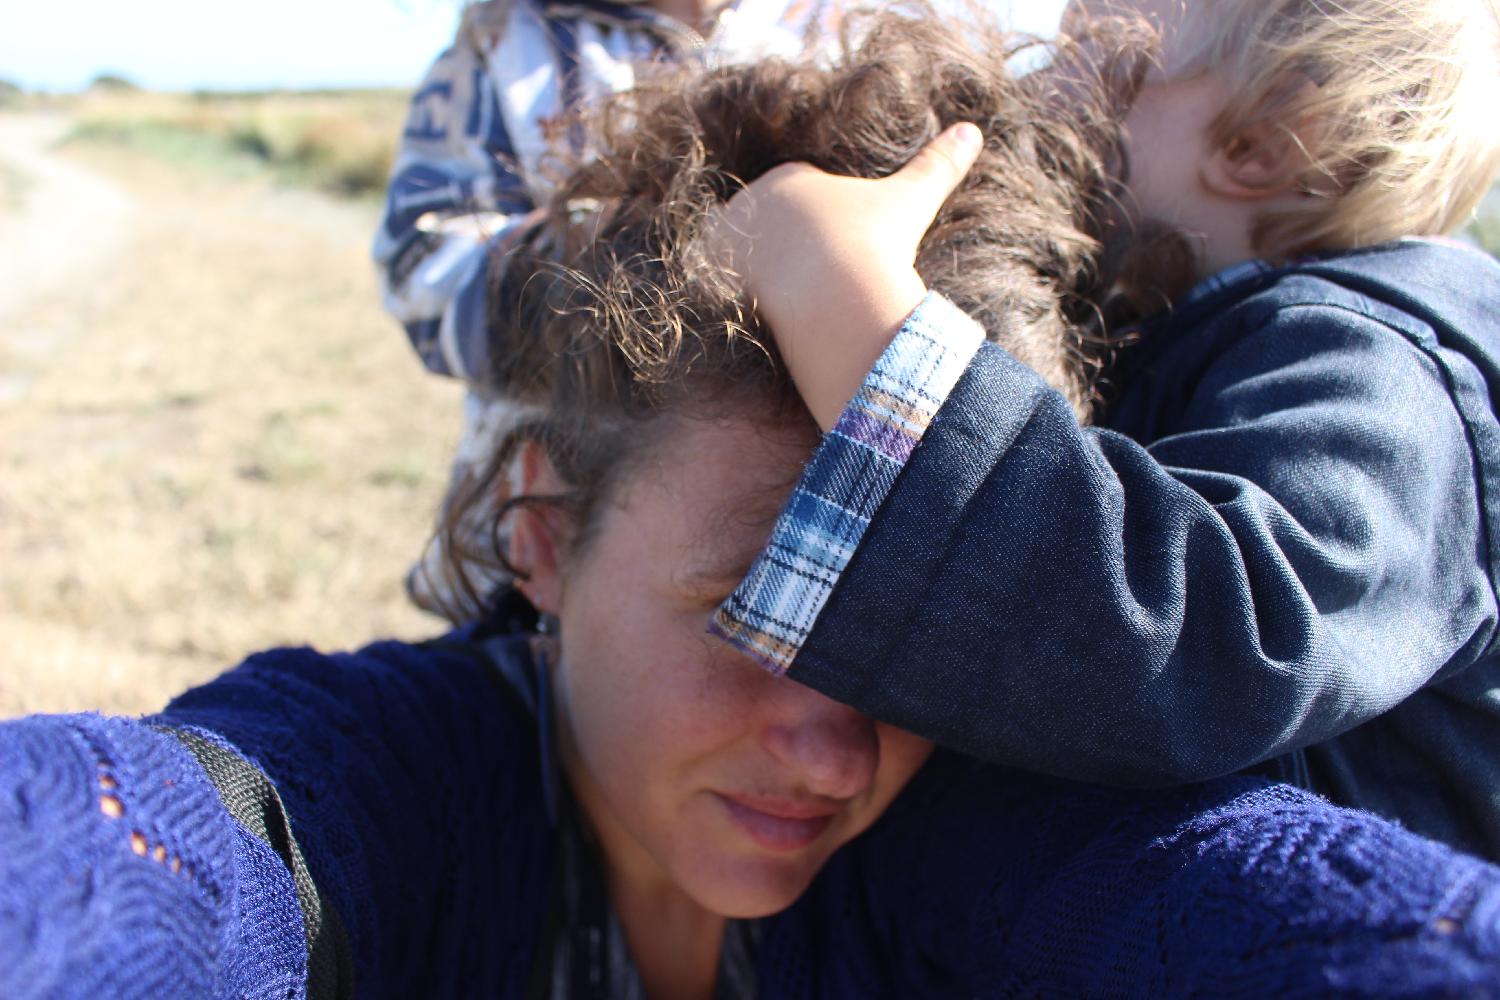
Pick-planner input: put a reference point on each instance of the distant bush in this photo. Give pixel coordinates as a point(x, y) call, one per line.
point(343, 143)
point(11, 93)
point(113, 82)
point(340, 141)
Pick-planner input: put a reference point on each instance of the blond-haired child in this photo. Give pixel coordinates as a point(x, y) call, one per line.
point(1323, 125)
point(1281, 545)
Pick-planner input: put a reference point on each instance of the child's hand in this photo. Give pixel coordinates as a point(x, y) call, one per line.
point(829, 260)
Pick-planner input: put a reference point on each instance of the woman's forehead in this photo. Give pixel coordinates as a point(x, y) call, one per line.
point(713, 488)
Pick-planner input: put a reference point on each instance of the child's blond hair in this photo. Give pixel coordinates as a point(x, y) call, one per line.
point(1393, 103)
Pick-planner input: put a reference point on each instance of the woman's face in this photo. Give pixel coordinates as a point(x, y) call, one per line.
point(696, 767)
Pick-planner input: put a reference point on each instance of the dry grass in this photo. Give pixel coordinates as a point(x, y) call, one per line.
point(225, 444)
point(339, 141)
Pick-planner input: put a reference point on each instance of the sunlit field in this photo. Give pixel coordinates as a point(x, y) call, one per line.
point(212, 438)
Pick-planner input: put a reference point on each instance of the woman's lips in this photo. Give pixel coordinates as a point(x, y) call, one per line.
point(777, 825)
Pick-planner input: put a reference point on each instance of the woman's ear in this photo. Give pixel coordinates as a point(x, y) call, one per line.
point(539, 532)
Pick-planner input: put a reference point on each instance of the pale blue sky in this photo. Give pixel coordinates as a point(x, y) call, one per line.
point(234, 44)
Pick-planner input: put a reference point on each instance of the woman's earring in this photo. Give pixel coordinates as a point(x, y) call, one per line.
point(544, 641)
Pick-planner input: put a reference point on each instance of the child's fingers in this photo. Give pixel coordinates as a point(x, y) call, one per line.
point(939, 167)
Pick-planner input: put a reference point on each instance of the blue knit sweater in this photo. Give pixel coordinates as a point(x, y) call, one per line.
point(371, 824)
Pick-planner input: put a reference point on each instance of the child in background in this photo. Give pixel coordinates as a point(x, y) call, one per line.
point(1281, 545)
point(472, 169)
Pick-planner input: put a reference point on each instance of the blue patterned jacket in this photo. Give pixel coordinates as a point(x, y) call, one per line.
point(476, 154)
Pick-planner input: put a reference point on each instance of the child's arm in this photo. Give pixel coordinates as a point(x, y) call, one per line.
point(455, 195)
point(829, 261)
point(1302, 553)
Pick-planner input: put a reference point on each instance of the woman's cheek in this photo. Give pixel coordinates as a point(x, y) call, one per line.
point(902, 755)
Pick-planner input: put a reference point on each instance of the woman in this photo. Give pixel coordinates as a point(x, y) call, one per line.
point(588, 795)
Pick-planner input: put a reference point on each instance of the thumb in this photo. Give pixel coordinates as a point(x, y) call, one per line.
point(940, 165)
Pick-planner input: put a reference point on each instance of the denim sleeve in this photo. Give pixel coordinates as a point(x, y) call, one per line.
point(772, 610)
point(454, 195)
point(1302, 552)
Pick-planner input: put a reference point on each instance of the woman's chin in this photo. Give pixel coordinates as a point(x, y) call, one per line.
point(746, 863)
point(745, 887)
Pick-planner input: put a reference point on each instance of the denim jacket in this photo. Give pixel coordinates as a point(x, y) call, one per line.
point(1281, 541)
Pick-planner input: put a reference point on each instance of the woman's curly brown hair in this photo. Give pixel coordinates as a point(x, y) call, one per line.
point(610, 315)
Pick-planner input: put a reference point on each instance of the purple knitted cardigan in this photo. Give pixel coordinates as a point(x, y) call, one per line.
point(371, 824)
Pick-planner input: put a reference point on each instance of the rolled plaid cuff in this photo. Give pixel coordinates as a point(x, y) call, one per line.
point(773, 610)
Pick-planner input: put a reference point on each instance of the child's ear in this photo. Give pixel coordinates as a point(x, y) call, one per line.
point(540, 532)
point(1262, 160)
point(1269, 157)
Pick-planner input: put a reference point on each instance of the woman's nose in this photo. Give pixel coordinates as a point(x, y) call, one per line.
point(828, 746)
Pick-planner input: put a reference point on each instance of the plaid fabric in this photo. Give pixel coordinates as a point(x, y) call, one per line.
point(772, 611)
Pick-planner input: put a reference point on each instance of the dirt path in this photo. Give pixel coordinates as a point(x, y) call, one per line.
point(60, 223)
point(211, 438)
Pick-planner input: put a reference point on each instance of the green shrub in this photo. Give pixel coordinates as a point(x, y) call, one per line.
point(1485, 229)
point(115, 82)
point(342, 142)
